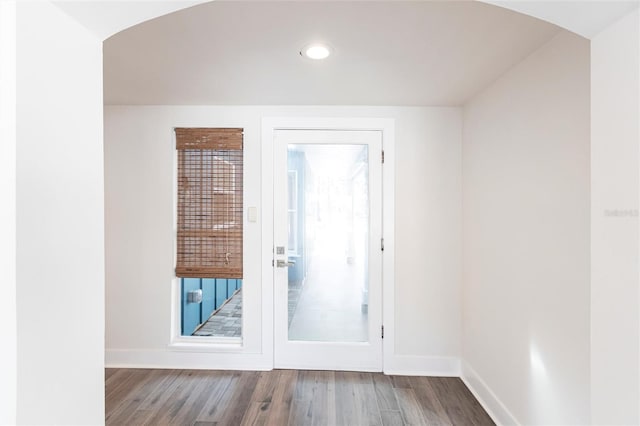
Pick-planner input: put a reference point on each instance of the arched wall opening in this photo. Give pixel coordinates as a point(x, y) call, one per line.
point(44, 112)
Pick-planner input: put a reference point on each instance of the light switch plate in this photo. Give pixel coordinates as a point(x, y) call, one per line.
point(252, 214)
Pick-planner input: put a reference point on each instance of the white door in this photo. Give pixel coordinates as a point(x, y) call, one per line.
point(327, 249)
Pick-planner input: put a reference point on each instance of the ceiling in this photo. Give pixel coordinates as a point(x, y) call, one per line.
point(385, 53)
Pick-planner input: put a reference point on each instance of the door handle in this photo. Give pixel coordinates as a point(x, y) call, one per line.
point(284, 263)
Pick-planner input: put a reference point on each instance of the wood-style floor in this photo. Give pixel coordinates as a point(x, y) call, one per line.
point(286, 397)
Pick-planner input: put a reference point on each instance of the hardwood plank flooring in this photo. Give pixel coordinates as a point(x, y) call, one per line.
point(286, 397)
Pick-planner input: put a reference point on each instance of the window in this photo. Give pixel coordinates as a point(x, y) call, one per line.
point(210, 230)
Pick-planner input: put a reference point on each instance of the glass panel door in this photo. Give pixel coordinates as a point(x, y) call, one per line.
point(331, 208)
point(328, 227)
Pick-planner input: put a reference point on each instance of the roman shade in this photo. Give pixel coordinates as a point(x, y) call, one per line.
point(210, 205)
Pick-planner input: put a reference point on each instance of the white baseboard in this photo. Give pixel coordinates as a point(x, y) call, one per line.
point(413, 365)
point(168, 359)
point(181, 359)
point(485, 396)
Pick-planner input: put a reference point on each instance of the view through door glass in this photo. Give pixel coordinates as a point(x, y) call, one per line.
point(328, 240)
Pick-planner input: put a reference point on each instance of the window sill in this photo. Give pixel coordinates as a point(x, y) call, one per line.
point(206, 344)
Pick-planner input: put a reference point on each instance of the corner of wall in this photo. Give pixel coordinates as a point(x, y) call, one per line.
point(60, 219)
point(615, 245)
point(496, 409)
point(8, 314)
point(525, 288)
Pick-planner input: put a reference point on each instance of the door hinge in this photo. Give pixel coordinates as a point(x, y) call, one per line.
point(382, 331)
point(273, 263)
point(381, 244)
point(383, 156)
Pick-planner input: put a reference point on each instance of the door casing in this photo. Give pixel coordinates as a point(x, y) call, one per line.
point(387, 127)
point(329, 355)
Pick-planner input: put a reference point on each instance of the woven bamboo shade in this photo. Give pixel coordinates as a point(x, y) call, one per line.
point(210, 211)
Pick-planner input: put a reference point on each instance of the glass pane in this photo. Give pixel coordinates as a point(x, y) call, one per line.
point(328, 285)
point(292, 209)
point(211, 307)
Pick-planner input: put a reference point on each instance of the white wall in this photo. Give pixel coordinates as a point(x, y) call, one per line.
point(8, 326)
point(615, 330)
point(139, 235)
point(526, 238)
point(60, 210)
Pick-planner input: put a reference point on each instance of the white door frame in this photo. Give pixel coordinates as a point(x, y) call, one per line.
point(330, 355)
point(387, 127)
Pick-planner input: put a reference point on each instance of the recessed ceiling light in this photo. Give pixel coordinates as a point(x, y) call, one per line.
point(316, 51)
